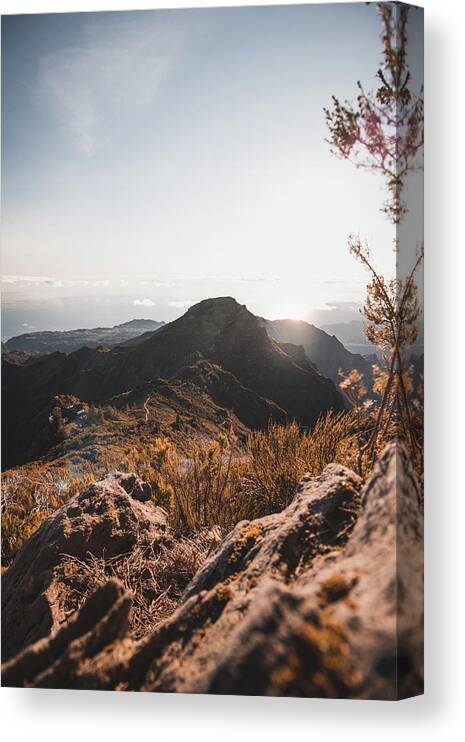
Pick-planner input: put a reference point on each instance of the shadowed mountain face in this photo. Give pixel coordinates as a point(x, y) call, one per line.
point(71, 340)
point(326, 351)
point(217, 349)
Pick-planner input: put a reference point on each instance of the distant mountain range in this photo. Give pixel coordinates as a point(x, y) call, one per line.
point(352, 334)
point(217, 364)
point(327, 353)
point(71, 340)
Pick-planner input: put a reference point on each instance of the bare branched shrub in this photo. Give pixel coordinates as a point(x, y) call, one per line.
point(353, 387)
point(383, 131)
point(392, 311)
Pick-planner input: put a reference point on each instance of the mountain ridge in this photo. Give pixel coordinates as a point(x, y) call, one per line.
point(326, 351)
point(67, 341)
point(218, 347)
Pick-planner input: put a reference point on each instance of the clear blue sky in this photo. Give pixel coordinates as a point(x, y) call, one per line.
point(166, 156)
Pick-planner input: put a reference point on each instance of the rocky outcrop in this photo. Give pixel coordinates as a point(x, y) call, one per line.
point(323, 599)
point(111, 517)
point(59, 661)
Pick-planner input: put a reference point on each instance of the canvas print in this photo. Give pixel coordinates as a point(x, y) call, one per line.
point(212, 351)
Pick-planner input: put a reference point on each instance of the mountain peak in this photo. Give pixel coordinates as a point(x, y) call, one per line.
point(221, 304)
point(137, 323)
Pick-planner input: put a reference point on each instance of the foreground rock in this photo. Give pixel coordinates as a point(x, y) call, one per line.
point(111, 517)
point(323, 599)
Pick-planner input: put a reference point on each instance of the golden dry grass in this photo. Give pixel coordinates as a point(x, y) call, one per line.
point(155, 577)
point(213, 484)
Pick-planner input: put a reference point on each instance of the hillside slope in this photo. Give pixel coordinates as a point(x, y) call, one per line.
point(325, 351)
point(218, 351)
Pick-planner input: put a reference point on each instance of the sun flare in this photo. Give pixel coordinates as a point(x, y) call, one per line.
point(290, 310)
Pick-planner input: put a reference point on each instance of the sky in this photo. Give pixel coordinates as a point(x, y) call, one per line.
point(151, 159)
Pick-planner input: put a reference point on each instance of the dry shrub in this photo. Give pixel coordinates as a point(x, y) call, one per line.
point(278, 457)
point(214, 484)
point(155, 575)
point(334, 440)
point(275, 463)
point(32, 492)
point(29, 497)
point(199, 491)
point(206, 493)
point(220, 485)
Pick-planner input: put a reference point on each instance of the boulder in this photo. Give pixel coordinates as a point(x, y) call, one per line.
point(60, 660)
point(321, 600)
point(111, 517)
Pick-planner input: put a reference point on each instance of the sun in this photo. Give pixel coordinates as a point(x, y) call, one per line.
point(289, 310)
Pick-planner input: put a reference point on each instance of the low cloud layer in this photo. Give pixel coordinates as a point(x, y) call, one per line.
point(144, 303)
point(22, 281)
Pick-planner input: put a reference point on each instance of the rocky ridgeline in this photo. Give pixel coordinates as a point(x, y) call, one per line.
point(218, 347)
point(323, 599)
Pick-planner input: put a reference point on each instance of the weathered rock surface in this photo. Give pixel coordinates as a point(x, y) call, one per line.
point(323, 599)
point(111, 517)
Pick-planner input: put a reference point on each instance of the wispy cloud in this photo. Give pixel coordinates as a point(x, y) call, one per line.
point(28, 280)
point(144, 303)
point(114, 74)
point(243, 279)
point(159, 283)
point(51, 281)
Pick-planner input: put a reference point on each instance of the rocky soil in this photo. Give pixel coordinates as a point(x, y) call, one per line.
point(323, 599)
